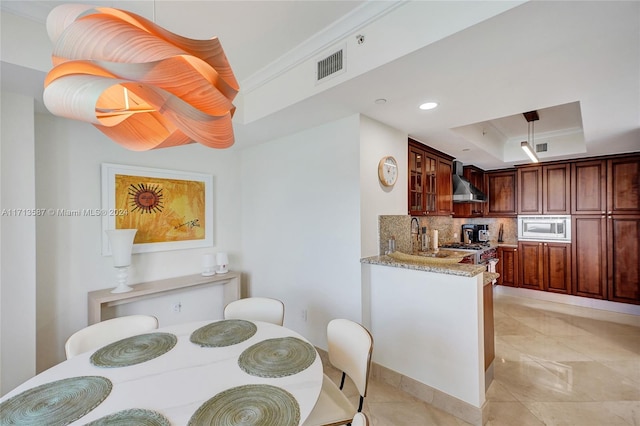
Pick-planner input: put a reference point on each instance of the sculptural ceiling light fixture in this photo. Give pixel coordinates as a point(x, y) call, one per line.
point(529, 145)
point(141, 85)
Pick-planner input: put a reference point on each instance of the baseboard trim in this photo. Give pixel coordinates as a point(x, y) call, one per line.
point(445, 402)
point(629, 313)
point(432, 396)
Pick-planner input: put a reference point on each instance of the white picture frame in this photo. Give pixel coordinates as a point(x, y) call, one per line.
point(113, 208)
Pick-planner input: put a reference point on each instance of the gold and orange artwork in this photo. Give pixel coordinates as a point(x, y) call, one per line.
point(162, 210)
point(141, 85)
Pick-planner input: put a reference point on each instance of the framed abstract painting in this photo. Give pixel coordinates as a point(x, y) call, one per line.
point(171, 209)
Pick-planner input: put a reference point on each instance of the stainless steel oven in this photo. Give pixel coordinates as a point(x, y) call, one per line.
point(544, 228)
point(479, 254)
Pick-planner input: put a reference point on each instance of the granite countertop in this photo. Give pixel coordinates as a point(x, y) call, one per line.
point(488, 277)
point(461, 269)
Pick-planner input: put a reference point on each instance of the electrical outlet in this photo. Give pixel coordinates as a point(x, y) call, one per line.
point(176, 307)
point(303, 315)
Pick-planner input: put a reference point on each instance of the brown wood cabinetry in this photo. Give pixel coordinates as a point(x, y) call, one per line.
point(557, 267)
point(501, 193)
point(589, 259)
point(507, 266)
point(489, 334)
point(544, 189)
point(589, 187)
point(623, 185)
point(477, 178)
point(556, 189)
point(606, 255)
point(530, 260)
point(444, 187)
point(530, 190)
point(623, 258)
point(606, 228)
point(545, 266)
point(430, 184)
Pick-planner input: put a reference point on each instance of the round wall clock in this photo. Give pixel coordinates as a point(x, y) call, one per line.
point(388, 171)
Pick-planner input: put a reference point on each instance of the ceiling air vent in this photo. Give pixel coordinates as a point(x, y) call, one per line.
point(541, 147)
point(330, 65)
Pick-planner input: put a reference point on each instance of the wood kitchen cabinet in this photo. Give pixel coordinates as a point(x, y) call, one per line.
point(489, 326)
point(589, 187)
point(545, 266)
point(623, 258)
point(544, 189)
point(606, 254)
point(476, 176)
point(507, 266)
point(430, 182)
point(530, 260)
point(501, 193)
point(623, 185)
point(606, 228)
point(589, 256)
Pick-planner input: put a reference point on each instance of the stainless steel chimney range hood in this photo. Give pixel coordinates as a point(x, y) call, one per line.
point(463, 190)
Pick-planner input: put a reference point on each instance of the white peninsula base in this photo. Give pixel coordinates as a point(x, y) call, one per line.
point(428, 330)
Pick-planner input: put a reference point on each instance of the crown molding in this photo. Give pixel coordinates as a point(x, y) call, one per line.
point(358, 18)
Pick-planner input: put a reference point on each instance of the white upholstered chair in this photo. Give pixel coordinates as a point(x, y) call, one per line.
point(360, 420)
point(350, 348)
point(108, 331)
point(257, 309)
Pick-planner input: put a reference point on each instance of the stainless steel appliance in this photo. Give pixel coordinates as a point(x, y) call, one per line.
point(474, 233)
point(479, 253)
point(463, 190)
point(544, 228)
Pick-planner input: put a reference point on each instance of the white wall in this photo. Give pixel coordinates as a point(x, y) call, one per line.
point(376, 141)
point(18, 243)
point(310, 211)
point(300, 220)
point(70, 264)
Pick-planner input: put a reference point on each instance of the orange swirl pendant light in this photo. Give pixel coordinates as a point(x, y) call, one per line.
point(141, 85)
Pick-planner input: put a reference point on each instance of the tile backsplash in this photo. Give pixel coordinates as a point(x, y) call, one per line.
point(399, 226)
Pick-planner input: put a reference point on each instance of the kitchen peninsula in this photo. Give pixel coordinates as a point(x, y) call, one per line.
point(428, 322)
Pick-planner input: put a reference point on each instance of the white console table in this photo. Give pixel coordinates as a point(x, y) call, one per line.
point(104, 298)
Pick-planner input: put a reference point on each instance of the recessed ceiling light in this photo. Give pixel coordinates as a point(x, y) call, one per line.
point(428, 105)
point(380, 101)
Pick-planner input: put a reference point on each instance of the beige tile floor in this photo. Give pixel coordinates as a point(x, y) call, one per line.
point(555, 365)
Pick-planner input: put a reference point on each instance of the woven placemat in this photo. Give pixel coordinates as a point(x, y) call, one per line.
point(223, 333)
point(56, 403)
point(278, 357)
point(132, 417)
point(249, 405)
point(134, 350)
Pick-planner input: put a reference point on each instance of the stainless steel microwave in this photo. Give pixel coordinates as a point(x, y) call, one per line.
point(544, 228)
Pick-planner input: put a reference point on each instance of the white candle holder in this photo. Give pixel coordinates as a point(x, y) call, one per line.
point(208, 265)
point(121, 241)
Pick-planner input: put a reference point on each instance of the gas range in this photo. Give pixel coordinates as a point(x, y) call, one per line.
point(479, 253)
point(471, 246)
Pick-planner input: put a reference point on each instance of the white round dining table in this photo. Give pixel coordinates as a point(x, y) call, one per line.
point(178, 382)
